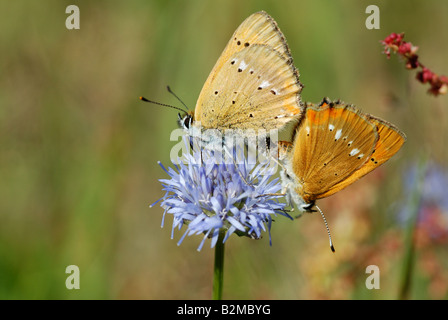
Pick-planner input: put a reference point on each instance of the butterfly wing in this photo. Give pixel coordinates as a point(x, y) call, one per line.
point(255, 88)
point(332, 142)
point(389, 142)
point(254, 82)
point(258, 28)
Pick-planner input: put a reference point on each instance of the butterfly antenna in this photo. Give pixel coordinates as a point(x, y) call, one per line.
point(170, 91)
point(162, 104)
point(328, 229)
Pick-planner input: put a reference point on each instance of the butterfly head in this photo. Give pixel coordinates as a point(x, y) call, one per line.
point(185, 121)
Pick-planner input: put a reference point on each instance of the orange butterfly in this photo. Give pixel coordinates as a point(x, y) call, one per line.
point(334, 145)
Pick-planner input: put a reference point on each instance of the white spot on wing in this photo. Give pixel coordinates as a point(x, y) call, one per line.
point(354, 152)
point(338, 134)
point(242, 65)
point(331, 127)
point(264, 84)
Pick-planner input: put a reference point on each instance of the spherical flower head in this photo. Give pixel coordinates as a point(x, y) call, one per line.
point(210, 196)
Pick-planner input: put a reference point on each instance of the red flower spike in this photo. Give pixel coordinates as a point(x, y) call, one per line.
point(394, 43)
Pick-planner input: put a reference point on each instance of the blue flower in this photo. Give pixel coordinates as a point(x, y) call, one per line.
point(211, 197)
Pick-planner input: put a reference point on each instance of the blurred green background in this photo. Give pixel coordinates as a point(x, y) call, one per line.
point(79, 151)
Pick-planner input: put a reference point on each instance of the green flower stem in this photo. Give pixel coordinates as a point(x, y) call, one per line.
point(409, 253)
point(218, 275)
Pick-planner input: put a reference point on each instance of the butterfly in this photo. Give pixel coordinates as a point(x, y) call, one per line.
point(334, 144)
point(254, 83)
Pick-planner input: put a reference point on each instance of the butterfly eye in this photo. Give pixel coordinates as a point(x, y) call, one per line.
point(189, 121)
point(308, 207)
point(185, 122)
